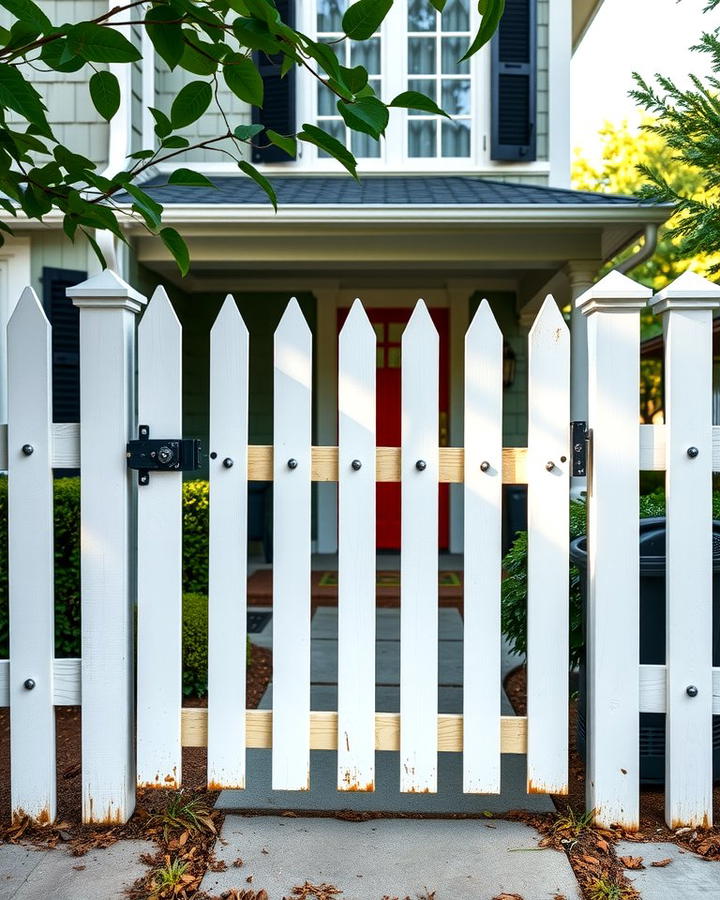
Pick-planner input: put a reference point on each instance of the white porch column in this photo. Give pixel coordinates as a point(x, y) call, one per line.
point(327, 299)
point(581, 274)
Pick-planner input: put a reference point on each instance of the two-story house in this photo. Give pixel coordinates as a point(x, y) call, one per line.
point(451, 211)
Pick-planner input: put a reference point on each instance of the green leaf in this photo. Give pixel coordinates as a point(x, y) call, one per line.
point(243, 78)
point(355, 79)
point(188, 178)
point(326, 56)
point(190, 103)
point(260, 180)
point(246, 132)
point(26, 10)
point(73, 162)
point(18, 94)
point(165, 31)
point(95, 43)
point(415, 100)
point(175, 142)
point(177, 246)
point(163, 125)
point(439, 4)
point(368, 115)
point(491, 11)
point(56, 55)
point(141, 154)
point(311, 134)
point(148, 208)
point(363, 18)
point(96, 248)
point(105, 94)
point(255, 36)
point(198, 56)
point(288, 144)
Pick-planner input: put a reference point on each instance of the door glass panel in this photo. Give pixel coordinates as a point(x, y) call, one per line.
point(379, 330)
point(329, 14)
point(335, 127)
point(362, 145)
point(421, 56)
point(393, 357)
point(421, 138)
point(367, 53)
point(453, 49)
point(380, 357)
point(456, 96)
point(395, 331)
point(456, 138)
point(426, 86)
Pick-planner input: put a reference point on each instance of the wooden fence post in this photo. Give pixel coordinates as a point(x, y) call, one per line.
point(30, 562)
point(613, 630)
point(107, 415)
point(686, 306)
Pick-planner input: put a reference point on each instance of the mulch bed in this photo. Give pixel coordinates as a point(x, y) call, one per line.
point(592, 851)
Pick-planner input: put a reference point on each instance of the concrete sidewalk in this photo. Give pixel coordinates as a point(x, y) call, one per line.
point(391, 858)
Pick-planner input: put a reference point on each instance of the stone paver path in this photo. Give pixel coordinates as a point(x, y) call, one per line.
point(460, 859)
point(687, 877)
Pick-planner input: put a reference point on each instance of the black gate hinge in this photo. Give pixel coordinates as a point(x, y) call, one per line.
point(162, 455)
point(579, 438)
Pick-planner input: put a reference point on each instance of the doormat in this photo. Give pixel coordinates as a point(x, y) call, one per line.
point(391, 579)
point(256, 621)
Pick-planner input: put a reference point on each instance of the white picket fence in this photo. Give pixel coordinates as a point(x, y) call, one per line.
point(131, 552)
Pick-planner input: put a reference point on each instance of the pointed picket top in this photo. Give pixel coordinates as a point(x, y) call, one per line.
point(420, 323)
point(688, 291)
point(549, 319)
point(106, 289)
point(483, 322)
point(293, 319)
point(229, 317)
point(357, 321)
point(614, 291)
point(28, 311)
point(159, 312)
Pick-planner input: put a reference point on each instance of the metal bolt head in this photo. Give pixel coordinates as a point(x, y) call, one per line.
point(228, 463)
point(692, 452)
point(28, 449)
point(691, 690)
point(484, 466)
point(213, 455)
point(28, 684)
point(421, 465)
point(292, 464)
point(356, 464)
point(549, 465)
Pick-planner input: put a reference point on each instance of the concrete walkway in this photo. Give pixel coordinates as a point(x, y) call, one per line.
point(686, 876)
point(391, 858)
point(323, 794)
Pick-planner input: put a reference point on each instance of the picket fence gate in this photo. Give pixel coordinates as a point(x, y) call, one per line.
point(131, 552)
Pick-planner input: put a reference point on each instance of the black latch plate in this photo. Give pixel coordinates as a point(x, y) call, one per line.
point(578, 440)
point(162, 454)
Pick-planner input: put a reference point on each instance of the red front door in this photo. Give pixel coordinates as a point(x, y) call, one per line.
point(389, 325)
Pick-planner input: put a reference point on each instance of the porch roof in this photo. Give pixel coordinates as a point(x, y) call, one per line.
point(381, 190)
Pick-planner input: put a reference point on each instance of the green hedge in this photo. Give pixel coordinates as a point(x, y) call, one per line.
point(67, 557)
point(514, 585)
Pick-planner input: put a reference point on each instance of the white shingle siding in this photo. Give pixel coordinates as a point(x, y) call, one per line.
point(542, 79)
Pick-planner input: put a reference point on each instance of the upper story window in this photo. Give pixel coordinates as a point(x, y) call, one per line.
point(435, 44)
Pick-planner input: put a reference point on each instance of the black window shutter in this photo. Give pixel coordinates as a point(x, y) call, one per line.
point(65, 321)
point(278, 110)
point(514, 83)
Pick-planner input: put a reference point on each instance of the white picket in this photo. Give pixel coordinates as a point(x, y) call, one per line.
point(687, 307)
point(292, 417)
point(30, 561)
point(356, 553)
point(227, 622)
point(107, 394)
point(613, 638)
point(483, 553)
point(419, 555)
point(548, 529)
point(159, 554)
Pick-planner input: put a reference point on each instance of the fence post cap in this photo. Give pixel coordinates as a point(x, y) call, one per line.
point(106, 290)
point(614, 292)
point(688, 291)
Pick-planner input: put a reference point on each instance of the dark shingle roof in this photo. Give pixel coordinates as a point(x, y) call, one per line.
point(378, 190)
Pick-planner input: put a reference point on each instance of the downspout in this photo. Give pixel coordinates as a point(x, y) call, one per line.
point(643, 254)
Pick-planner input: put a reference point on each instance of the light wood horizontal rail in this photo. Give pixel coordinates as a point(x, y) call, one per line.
point(387, 464)
point(323, 730)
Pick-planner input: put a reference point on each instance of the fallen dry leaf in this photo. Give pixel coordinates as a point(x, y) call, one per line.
point(632, 862)
point(508, 897)
point(661, 863)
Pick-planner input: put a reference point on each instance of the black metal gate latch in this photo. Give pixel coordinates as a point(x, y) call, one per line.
point(579, 437)
point(162, 455)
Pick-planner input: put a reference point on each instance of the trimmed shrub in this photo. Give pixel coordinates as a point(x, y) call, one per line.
point(67, 557)
point(195, 645)
point(514, 585)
